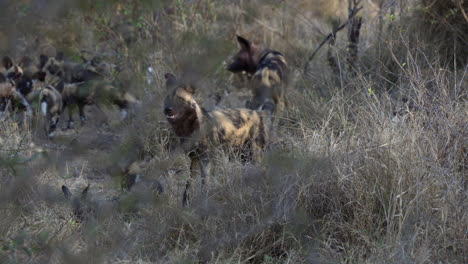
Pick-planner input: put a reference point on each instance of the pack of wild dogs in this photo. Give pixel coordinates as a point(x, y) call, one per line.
point(55, 84)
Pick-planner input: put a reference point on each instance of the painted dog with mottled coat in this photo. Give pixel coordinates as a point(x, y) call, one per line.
point(9, 93)
point(268, 71)
point(91, 92)
point(51, 105)
point(244, 131)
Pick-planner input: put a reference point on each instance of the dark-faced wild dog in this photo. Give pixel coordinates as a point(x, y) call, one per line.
point(21, 74)
point(243, 130)
point(82, 206)
point(85, 207)
point(9, 69)
point(9, 94)
point(29, 67)
point(268, 71)
point(91, 92)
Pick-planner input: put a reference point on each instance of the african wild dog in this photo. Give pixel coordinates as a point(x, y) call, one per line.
point(82, 86)
point(82, 207)
point(10, 70)
point(267, 69)
point(242, 130)
point(21, 74)
point(29, 89)
point(51, 104)
point(71, 72)
point(28, 66)
point(91, 92)
point(8, 93)
point(86, 207)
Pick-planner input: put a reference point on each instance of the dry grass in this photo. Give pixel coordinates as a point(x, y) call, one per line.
point(342, 183)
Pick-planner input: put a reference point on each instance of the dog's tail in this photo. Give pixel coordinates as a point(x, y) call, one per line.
point(129, 98)
point(44, 108)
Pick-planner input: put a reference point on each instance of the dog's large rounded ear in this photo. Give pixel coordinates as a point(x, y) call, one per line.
point(15, 73)
point(171, 80)
point(60, 56)
point(66, 192)
point(189, 88)
point(244, 43)
point(25, 61)
point(7, 62)
point(39, 75)
point(43, 60)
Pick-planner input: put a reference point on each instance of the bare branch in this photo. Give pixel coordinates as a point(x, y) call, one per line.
point(353, 13)
point(462, 10)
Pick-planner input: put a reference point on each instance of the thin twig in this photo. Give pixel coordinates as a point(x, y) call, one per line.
point(330, 36)
point(462, 10)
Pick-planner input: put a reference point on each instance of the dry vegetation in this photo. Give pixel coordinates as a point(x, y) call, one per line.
point(344, 181)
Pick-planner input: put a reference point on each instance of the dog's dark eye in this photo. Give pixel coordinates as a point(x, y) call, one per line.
point(180, 100)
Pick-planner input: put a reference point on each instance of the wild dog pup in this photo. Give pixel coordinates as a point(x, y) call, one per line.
point(91, 92)
point(199, 130)
point(269, 74)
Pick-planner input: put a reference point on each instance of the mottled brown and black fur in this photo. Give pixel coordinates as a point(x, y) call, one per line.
point(21, 74)
point(91, 92)
point(51, 104)
point(9, 69)
point(9, 94)
point(57, 68)
point(268, 71)
point(242, 130)
point(21, 86)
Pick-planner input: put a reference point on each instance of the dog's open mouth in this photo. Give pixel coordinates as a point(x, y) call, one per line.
point(172, 116)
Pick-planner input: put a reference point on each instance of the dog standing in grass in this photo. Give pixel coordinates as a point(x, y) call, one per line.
point(268, 72)
point(51, 105)
point(243, 130)
point(82, 86)
point(23, 86)
point(91, 92)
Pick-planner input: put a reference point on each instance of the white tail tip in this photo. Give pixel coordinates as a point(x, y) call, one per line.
point(137, 178)
point(123, 114)
point(44, 108)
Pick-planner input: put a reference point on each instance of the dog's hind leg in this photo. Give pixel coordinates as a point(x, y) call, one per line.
point(70, 117)
point(82, 113)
